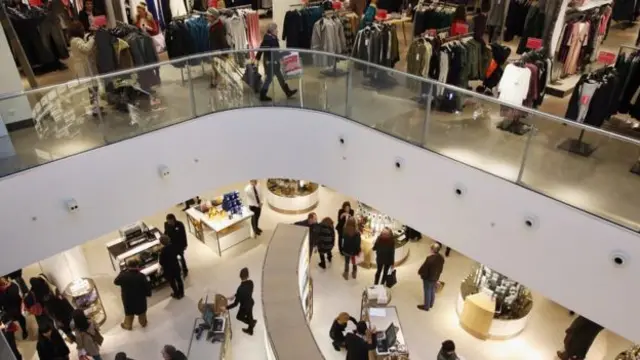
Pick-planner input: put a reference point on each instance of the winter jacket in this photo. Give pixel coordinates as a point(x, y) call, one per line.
point(444, 356)
point(10, 300)
point(269, 41)
point(385, 251)
point(83, 57)
point(218, 37)
point(325, 238)
point(85, 340)
point(177, 234)
point(168, 259)
point(53, 348)
point(432, 267)
point(134, 290)
point(357, 347)
point(350, 245)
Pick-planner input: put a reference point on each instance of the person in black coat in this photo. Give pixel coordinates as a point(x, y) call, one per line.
point(134, 291)
point(344, 213)
point(579, 338)
point(50, 344)
point(11, 304)
point(85, 16)
point(61, 311)
point(8, 328)
point(360, 342)
point(244, 298)
point(351, 246)
point(169, 352)
point(178, 235)
point(17, 277)
point(272, 63)
point(336, 333)
point(310, 222)
point(171, 267)
point(326, 239)
point(385, 248)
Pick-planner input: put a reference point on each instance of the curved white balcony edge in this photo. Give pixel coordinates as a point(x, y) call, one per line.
point(566, 256)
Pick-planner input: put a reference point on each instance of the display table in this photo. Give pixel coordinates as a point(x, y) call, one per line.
point(286, 312)
point(292, 200)
point(211, 345)
point(477, 315)
point(220, 233)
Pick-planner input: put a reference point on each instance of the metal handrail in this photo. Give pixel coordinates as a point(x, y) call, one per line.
point(458, 90)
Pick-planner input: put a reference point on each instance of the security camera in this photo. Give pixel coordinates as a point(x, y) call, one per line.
point(399, 163)
point(72, 205)
point(531, 221)
point(459, 190)
point(164, 171)
point(619, 258)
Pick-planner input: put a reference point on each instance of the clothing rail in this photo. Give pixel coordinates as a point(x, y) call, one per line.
point(237, 7)
point(310, 3)
point(457, 37)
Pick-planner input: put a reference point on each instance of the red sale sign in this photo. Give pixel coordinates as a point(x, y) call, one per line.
point(534, 43)
point(606, 57)
point(459, 28)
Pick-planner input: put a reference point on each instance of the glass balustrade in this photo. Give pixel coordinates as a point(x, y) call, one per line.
point(585, 167)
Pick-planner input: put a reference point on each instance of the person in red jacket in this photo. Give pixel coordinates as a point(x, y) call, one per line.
point(145, 21)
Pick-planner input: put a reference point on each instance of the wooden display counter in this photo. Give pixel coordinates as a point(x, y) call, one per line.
point(477, 317)
point(298, 203)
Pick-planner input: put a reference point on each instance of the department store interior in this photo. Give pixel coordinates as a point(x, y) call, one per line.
point(486, 314)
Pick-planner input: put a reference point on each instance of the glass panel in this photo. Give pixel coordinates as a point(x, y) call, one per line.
point(585, 169)
point(62, 126)
point(387, 101)
point(141, 101)
point(477, 132)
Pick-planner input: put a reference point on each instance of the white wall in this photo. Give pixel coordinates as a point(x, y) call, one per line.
point(15, 109)
point(566, 258)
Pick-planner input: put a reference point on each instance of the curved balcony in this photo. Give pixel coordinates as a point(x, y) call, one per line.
point(544, 157)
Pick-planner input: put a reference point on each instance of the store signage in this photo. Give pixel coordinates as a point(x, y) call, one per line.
point(606, 57)
point(534, 43)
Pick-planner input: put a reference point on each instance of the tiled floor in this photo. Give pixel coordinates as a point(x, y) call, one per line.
point(171, 320)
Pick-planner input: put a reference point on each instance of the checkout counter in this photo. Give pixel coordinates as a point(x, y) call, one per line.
point(378, 314)
point(140, 242)
point(211, 335)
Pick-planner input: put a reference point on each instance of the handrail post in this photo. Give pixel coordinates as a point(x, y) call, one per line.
point(192, 94)
point(273, 55)
point(427, 110)
point(347, 111)
point(525, 154)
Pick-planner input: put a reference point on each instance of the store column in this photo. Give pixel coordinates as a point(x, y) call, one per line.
point(64, 268)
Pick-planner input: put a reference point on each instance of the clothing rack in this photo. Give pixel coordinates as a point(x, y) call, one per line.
point(635, 168)
point(238, 7)
point(457, 37)
point(310, 3)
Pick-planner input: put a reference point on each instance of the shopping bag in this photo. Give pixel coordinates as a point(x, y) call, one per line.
point(159, 42)
point(392, 279)
point(291, 65)
point(252, 77)
point(360, 257)
point(439, 286)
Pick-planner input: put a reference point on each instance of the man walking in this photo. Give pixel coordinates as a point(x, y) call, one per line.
point(254, 201)
point(430, 273)
point(134, 290)
point(178, 235)
point(244, 298)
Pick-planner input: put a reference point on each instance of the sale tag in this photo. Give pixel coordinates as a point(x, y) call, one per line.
point(460, 28)
point(534, 43)
point(606, 57)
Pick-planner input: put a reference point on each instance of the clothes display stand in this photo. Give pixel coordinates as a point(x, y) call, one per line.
point(578, 146)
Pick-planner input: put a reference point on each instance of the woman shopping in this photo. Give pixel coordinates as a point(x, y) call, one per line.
point(145, 21)
point(82, 60)
point(385, 248)
point(272, 64)
point(338, 328)
point(88, 338)
point(350, 245)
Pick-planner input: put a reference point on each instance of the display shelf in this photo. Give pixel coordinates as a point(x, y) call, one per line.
point(289, 196)
point(218, 228)
point(83, 294)
point(631, 354)
point(132, 240)
point(371, 223)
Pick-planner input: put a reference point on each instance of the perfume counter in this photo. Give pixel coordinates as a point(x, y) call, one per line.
point(498, 329)
point(298, 204)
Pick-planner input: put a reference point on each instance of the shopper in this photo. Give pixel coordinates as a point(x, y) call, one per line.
point(171, 267)
point(254, 201)
point(37, 298)
point(9, 327)
point(369, 14)
point(459, 26)
point(579, 338)
point(17, 277)
point(82, 60)
point(430, 273)
point(169, 352)
point(244, 298)
point(448, 351)
point(61, 311)
point(50, 344)
point(351, 247)
point(85, 16)
point(344, 213)
point(272, 63)
point(134, 291)
point(336, 333)
point(178, 234)
point(145, 21)
point(326, 239)
point(310, 222)
point(88, 337)
point(385, 248)
point(123, 356)
point(360, 342)
point(217, 42)
point(11, 304)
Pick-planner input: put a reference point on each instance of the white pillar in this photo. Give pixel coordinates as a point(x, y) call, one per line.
point(65, 267)
point(16, 109)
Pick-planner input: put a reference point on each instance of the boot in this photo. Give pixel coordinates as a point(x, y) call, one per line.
point(354, 273)
point(264, 97)
point(345, 275)
point(290, 93)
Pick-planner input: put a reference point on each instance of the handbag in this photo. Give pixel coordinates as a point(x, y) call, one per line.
point(392, 279)
point(97, 337)
point(252, 77)
point(360, 257)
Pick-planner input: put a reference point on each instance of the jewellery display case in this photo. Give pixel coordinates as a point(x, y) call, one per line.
point(289, 196)
point(211, 335)
point(305, 283)
point(381, 316)
point(371, 223)
point(83, 294)
point(505, 304)
point(220, 223)
point(631, 354)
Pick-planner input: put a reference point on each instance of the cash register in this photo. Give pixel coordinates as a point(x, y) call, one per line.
point(135, 234)
point(385, 340)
